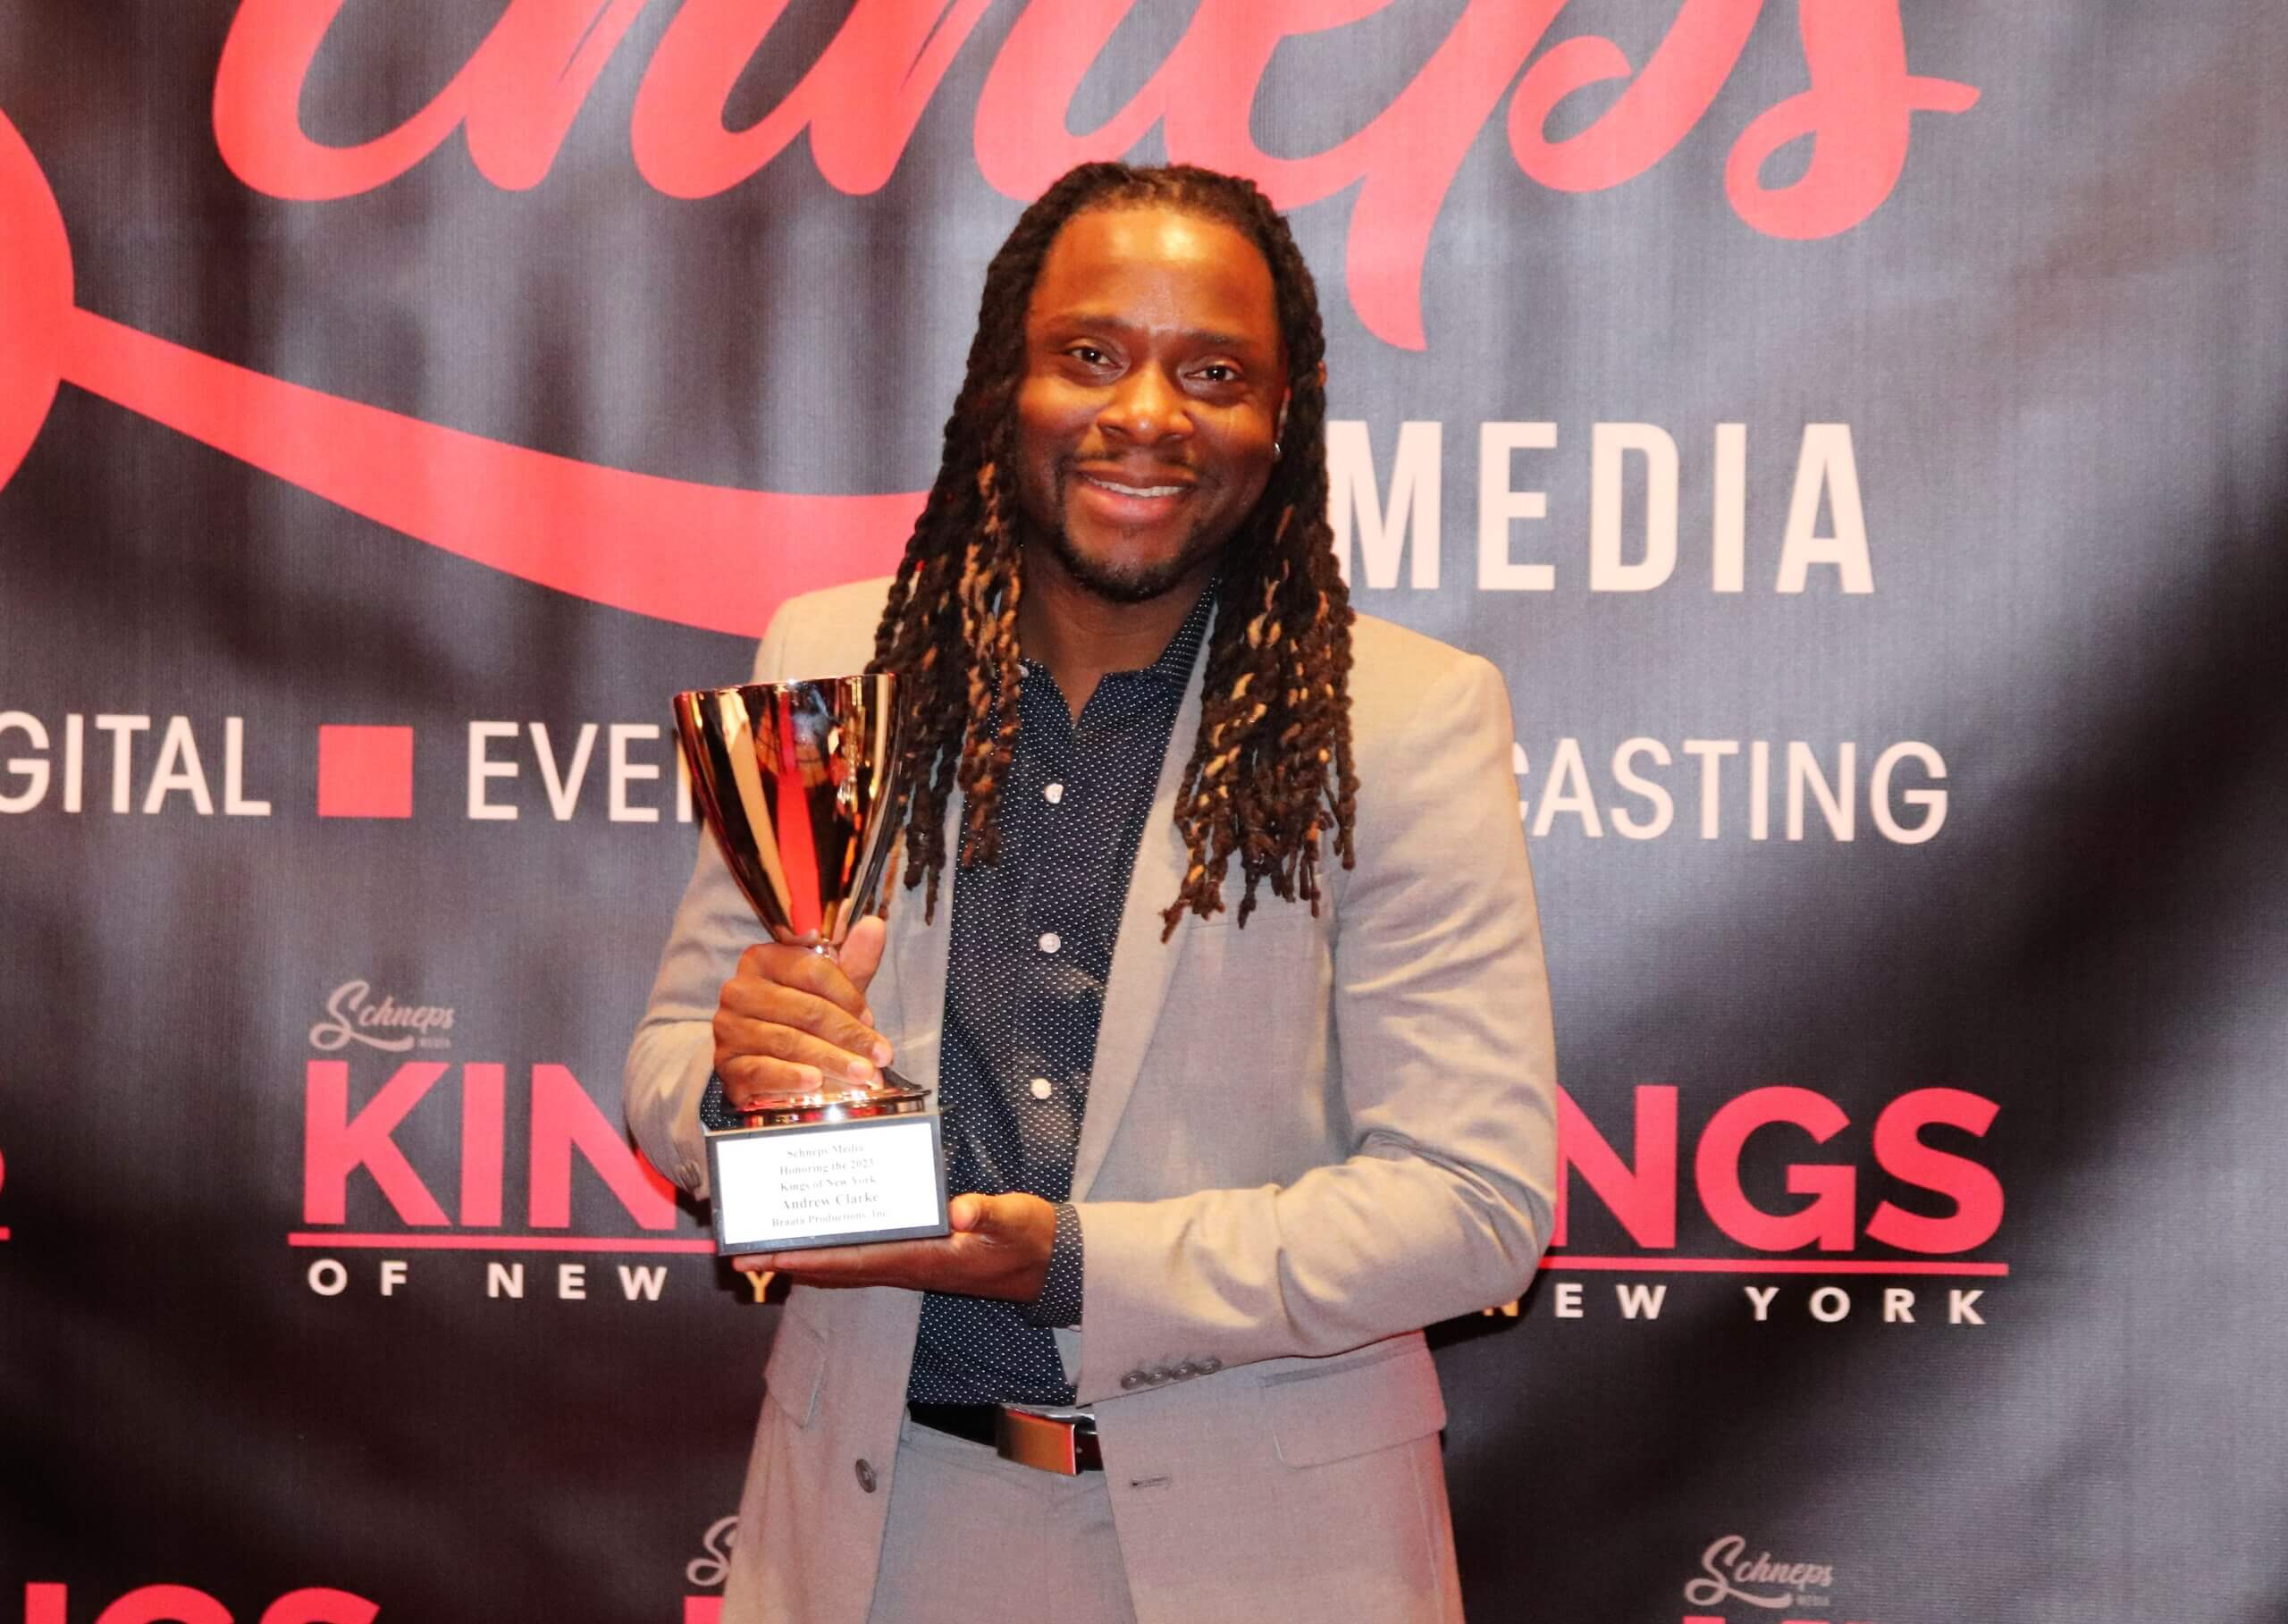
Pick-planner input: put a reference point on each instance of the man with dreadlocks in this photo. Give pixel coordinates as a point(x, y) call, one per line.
point(1224, 960)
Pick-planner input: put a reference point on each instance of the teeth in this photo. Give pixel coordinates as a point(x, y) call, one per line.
point(1136, 490)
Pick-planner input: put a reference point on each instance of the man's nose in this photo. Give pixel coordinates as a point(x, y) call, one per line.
point(1146, 409)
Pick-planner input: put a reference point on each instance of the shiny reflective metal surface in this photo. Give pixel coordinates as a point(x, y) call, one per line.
point(839, 1102)
point(1064, 1444)
point(796, 782)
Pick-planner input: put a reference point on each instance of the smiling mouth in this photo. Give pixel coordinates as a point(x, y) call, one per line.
point(1121, 488)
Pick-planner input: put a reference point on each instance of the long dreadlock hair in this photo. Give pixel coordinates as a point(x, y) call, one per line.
point(1271, 770)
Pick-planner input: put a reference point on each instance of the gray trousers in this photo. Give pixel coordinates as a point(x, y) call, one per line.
point(975, 1539)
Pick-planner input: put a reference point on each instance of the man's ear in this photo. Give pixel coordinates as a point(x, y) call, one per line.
point(1285, 400)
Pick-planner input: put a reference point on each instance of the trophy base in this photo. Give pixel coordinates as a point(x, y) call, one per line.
point(830, 1172)
point(894, 1096)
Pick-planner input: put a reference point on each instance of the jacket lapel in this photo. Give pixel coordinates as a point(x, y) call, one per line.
point(1142, 963)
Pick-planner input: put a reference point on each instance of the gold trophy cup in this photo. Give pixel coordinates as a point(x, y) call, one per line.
point(797, 782)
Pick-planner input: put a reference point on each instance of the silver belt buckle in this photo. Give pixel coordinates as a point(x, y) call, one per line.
point(1045, 1442)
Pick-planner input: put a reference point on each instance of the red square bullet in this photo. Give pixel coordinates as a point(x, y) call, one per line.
point(365, 772)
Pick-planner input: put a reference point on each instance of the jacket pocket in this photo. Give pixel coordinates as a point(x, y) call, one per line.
point(796, 1368)
point(1380, 1396)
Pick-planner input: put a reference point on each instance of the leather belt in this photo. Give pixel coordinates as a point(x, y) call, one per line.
point(1064, 1443)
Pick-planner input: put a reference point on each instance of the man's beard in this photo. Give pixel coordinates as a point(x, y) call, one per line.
point(1116, 582)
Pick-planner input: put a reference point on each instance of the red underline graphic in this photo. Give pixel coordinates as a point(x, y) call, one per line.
point(1773, 1266)
point(506, 1244)
point(712, 555)
point(684, 1243)
point(4, 1231)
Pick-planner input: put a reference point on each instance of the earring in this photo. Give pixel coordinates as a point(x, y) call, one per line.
point(1276, 452)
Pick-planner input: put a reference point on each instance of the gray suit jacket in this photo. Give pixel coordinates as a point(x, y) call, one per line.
point(1305, 1140)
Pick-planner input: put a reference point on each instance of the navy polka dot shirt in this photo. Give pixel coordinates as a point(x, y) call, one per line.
point(1033, 945)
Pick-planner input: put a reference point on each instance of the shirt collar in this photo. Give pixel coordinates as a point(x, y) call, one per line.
point(1172, 669)
point(1174, 666)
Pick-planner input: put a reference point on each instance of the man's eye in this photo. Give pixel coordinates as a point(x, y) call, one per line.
point(1088, 355)
point(1217, 372)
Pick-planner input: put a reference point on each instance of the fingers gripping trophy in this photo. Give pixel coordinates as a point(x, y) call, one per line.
point(797, 782)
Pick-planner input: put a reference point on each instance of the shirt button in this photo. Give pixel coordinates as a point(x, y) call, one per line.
point(1053, 793)
point(866, 1476)
point(1043, 1088)
point(1050, 941)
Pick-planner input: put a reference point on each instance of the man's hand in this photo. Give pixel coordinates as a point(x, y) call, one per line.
point(789, 1018)
point(1000, 1248)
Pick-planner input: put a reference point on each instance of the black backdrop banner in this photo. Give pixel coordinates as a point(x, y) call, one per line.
point(1856, 430)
